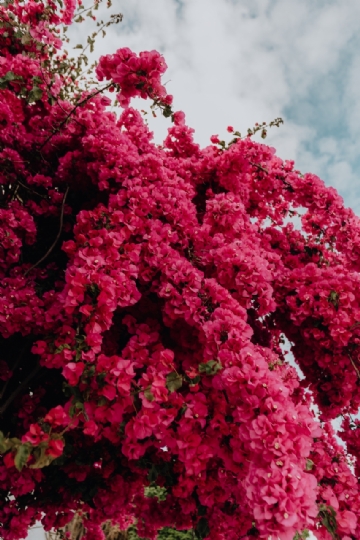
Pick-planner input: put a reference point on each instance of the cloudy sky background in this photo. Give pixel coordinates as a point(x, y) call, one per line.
point(238, 62)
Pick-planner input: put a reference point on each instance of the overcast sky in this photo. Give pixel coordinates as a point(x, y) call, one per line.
point(238, 62)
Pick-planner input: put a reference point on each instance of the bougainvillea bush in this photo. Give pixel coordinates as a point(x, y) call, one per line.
point(146, 295)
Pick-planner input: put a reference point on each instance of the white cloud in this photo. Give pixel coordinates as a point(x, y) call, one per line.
point(241, 62)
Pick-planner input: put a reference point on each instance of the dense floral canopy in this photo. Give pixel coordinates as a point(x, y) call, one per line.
point(147, 295)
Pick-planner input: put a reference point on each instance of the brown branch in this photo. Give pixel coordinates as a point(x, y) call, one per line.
point(57, 236)
point(19, 389)
point(55, 97)
point(31, 190)
point(72, 112)
point(354, 325)
point(354, 366)
point(14, 193)
point(259, 167)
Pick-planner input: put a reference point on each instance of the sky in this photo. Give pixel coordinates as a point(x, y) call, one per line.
point(238, 62)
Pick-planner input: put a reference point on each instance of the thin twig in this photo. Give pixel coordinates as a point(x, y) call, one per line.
point(14, 193)
point(19, 389)
point(259, 167)
point(72, 112)
point(56, 98)
point(354, 366)
point(355, 325)
point(31, 190)
point(57, 236)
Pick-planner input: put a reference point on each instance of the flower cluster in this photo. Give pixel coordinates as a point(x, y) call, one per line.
point(137, 75)
point(147, 293)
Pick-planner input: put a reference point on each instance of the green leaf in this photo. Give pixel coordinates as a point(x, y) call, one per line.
point(76, 408)
point(302, 536)
point(333, 299)
point(22, 454)
point(210, 368)
point(26, 39)
point(309, 465)
point(327, 517)
point(168, 533)
point(173, 381)
point(37, 80)
point(5, 443)
point(79, 46)
point(35, 94)
point(41, 459)
point(61, 348)
point(195, 380)
point(156, 491)
point(10, 76)
point(167, 111)
point(148, 394)
point(202, 529)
